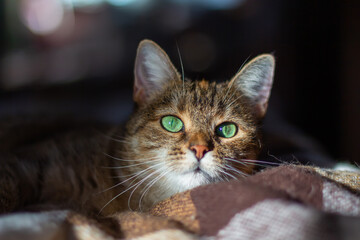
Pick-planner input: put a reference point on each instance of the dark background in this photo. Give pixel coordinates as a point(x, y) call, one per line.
point(82, 65)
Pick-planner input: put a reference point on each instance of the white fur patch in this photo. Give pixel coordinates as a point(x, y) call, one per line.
point(182, 175)
point(209, 165)
point(186, 177)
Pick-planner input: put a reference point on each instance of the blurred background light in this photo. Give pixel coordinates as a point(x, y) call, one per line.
point(89, 46)
point(82, 3)
point(92, 3)
point(214, 4)
point(42, 16)
point(120, 3)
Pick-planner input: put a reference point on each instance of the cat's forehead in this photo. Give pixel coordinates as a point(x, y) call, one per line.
point(203, 102)
point(203, 97)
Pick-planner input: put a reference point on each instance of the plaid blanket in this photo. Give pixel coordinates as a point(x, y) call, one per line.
point(285, 202)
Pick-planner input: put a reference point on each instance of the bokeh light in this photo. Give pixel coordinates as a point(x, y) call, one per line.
point(82, 3)
point(214, 4)
point(90, 3)
point(120, 3)
point(42, 16)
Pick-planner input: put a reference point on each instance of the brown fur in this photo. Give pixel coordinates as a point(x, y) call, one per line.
point(202, 106)
point(82, 170)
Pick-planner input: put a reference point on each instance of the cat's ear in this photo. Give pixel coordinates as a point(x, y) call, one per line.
point(153, 69)
point(255, 81)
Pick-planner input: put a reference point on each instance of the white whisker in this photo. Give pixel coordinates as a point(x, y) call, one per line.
point(277, 159)
point(123, 140)
point(113, 199)
point(231, 168)
point(130, 186)
point(133, 165)
point(259, 161)
point(252, 162)
point(234, 160)
point(232, 83)
point(132, 176)
point(226, 173)
point(182, 68)
point(236, 99)
point(257, 164)
point(141, 182)
point(130, 160)
point(151, 183)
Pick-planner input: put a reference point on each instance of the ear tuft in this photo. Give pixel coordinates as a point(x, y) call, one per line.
point(153, 69)
point(255, 81)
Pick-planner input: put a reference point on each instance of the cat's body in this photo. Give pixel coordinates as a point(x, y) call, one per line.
point(182, 134)
point(60, 169)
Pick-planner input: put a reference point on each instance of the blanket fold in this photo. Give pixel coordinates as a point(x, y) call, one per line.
point(285, 202)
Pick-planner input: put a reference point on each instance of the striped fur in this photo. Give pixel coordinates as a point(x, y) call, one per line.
point(202, 106)
point(143, 163)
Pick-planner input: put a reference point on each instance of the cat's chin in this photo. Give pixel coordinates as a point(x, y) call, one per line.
point(201, 173)
point(189, 180)
point(198, 178)
point(190, 174)
point(181, 182)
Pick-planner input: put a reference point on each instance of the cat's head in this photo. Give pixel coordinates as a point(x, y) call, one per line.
point(189, 133)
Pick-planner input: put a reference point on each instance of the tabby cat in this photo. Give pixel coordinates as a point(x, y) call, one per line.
point(182, 134)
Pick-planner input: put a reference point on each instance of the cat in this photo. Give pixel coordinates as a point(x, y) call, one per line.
point(181, 134)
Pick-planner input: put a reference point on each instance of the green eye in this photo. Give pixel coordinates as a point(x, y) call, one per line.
point(226, 130)
point(172, 123)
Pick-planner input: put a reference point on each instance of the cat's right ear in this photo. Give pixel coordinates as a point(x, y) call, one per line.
point(153, 69)
point(255, 81)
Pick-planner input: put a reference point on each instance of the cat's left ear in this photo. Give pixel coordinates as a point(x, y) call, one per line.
point(255, 81)
point(153, 70)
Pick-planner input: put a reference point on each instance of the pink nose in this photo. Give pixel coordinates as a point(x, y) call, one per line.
point(199, 150)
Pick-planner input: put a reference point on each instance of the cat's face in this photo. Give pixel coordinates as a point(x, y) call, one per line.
point(189, 133)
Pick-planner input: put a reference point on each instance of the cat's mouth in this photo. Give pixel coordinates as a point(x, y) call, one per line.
point(196, 170)
point(199, 172)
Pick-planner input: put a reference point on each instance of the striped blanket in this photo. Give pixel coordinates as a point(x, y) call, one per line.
point(285, 202)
